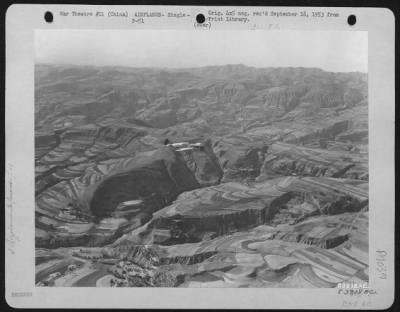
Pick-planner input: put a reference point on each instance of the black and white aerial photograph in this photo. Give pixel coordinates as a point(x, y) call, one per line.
point(194, 158)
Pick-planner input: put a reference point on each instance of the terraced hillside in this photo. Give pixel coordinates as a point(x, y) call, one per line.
point(224, 176)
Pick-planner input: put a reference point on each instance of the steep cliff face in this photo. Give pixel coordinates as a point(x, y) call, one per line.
point(231, 207)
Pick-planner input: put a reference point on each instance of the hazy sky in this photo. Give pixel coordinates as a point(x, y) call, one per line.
point(339, 51)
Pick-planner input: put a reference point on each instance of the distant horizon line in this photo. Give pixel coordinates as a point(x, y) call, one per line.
point(193, 67)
